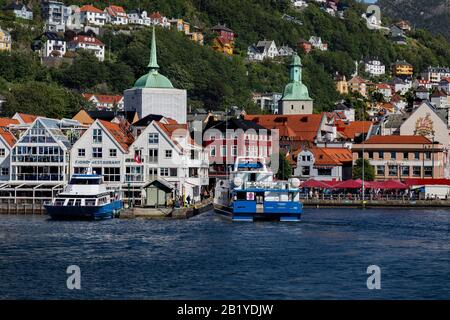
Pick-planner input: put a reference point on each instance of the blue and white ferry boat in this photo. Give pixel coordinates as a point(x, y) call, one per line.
point(85, 197)
point(250, 193)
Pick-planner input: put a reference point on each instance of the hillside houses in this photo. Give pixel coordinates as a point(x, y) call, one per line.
point(50, 44)
point(5, 40)
point(92, 44)
point(116, 15)
point(19, 10)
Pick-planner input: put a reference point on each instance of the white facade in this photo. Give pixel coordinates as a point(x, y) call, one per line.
point(375, 68)
point(170, 157)
point(97, 148)
point(56, 15)
point(306, 170)
point(116, 15)
point(93, 18)
point(41, 155)
point(5, 159)
point(54, 48)
point(168, 102)
point(88, 43)
point(436, 74)
point(141, 18)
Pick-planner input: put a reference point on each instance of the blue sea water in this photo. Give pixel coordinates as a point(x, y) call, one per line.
point(207, 257)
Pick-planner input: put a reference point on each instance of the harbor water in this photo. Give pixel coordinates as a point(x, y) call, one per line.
point(208, 257)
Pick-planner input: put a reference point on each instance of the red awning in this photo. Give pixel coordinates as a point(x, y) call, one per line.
point(393, 184)
point(315, 184)
point(349, 184)
point(423, 182)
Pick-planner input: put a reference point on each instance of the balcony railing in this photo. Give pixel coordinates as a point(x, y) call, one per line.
point(37, 177)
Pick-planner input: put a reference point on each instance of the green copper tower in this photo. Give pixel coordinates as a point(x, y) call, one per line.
point(296, 99)
point(153, 79)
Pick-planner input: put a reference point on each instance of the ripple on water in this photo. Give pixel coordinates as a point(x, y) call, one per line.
point(207, 257)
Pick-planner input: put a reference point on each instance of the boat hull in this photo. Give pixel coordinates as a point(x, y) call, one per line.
point(106, 211)
point(229, 212)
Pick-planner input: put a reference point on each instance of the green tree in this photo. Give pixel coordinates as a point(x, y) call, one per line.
point(369, 170)
point(284, 169)
point(42, 99)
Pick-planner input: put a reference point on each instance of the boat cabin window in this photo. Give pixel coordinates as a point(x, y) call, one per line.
point(86, 181)
point(77, 202)
point(89, 202)
point(70, 202)
point(252, 177)
point(59, 202)
point(241, 196)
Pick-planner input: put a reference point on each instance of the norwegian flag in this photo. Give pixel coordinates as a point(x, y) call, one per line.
point(137, 157)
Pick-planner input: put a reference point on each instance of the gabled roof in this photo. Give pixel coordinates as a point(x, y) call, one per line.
point(83, 117)
point(156, 16)
point(86, 40)
point(170, 129)
point(104, 98)
point(16, 6)
point(114, 10)
point(328, 156)
point(4, 122)
point(26, 118)
point(357, 79)
point(7, 136)
point(352, 129)
point(123, 138)
point(102, 114)
point(220, 27)
point(90, 8)
point(294, 127)
point(398, 140)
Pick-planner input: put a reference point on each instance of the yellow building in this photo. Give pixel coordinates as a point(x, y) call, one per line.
point(341, 84)
point(5, 40)
point(402, 69)
point(222, 46)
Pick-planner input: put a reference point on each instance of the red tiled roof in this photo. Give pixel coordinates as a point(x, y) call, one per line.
point(4, 122)
point(7, 136)
point(383, 86)
point(87, 39)
point(294, 127)
point(27, 118)
point(90, 8)
point(114, 10)
point(351, 129)
point(156, 15)
point(398, 140)
point(125, 139)
point(103, 98)
point(357, 79)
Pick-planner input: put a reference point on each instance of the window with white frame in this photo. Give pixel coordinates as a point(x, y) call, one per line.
point(97, 136)
point(212, 151)
point(223, 151)
point(81, 152)
point(5, 171)
point(97, 152)
point(111, 174)
point(168, 154)
point(153, 138)
point(113, 153)
point(164, 172)
point(2, 152)
point(152, 155)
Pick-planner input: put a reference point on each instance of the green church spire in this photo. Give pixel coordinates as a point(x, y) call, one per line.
point(153, 64)
point(295, 90)
point(153, 79)
point(295, 68)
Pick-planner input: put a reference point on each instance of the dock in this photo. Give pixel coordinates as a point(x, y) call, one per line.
point(166, 213)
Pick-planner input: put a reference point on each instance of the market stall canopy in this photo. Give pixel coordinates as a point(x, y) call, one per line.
point(311, 183)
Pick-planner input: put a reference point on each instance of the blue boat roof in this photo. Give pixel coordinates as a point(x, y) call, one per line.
point(250, 165)
point(80, 175)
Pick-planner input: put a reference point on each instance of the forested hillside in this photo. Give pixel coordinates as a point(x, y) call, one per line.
point(213, 80)
point(433, 15)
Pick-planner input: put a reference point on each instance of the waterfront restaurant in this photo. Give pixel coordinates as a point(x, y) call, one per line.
point(402, 157)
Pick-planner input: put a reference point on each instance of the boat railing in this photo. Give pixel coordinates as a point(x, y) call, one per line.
point(276, 185)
